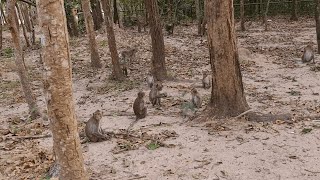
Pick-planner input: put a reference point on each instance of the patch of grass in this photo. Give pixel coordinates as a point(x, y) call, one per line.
point(306, 130)
point(7, 52)
point(103, 43)
point(112, 85)
point(153, 145)
point(9, 85)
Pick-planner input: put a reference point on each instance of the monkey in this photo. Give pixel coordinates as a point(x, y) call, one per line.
point(93, 129)
point(123, 65)
point(196, 99)
point(206, 82)
point(155, 95)
point(138, 106)
point(126, 57)
point(150, 79)
point(308, 54)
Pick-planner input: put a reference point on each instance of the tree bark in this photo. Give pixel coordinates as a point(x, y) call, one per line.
point(26, 18)
point(115, 12)
point(71, 23)
point(227, 96)
point(0, 30)
point(317, 17)
point(158, 53)
point(58, 90)
point(117, 73)
point(19, 60)
point(95, 59)
point(2, 12)
point(24, 29)
point(294, 15)
point(96, 14)
point(243, 28)
point(198, 15)
point(265, 16)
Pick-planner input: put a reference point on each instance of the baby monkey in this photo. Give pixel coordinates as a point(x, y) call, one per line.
point(308, 54)
point(196, 99)
point(155, 95)
point(138, 106)
point(206, 81)
point(93, 129)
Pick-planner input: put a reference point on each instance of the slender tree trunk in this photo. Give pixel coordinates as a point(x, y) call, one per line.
point(32, 29)
point(0, 30)
point(95, 59)
point(198, 15)
point(158, 53)
point(115, 12)
point(58, 90)
point(26, 18)
point(2, 12)
point(96, 14)
point(19, 60)
point(317, 17)
point(243, 28)
point(24, 29)
point(294, 15)
point(265, 16)
point(227, 96)
point(117, 73)
point(120, 14)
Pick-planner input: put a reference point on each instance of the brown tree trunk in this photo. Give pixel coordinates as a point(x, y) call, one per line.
point(198, 15)
point(294, 15)
point(227, 96)
point(58, 90)
point(0, 30)
point(265, 16)
point(115, 12)
point(32, 29)
point(96, 14)
point(317, 17)
point(158, 53)
point(95, 59)
point(243, 28)
point(2, 12)
point(24, 29)
point(117, 73)
point(19, 60)
point(26, 18)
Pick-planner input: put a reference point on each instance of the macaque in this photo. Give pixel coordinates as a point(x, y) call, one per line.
point(206, 82)
point(150, 79)
point(196, 99)
point(93, 129)
point(123, 65)
point(138, 106)
point(155, 95)
point(169, 28)
point(308, 54)
point(126, 57)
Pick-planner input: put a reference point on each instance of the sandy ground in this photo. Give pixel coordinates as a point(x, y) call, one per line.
point(275, 80)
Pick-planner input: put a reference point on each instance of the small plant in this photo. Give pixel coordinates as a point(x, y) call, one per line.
point(306, 130)
point(7, 52)
point(153, 145)
point(103, 43)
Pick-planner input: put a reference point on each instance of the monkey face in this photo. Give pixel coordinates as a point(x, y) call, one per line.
point(97, 115)
point(141, 94)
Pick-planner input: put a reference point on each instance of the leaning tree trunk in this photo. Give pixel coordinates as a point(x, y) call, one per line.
point(294, 15)
point(96, 14)
point(19, 60)
point(24, 29)
point(243, 28)
point(227, 96)
point(317, 17)
point(117, 73)
point(95, 59)
point(58, 90)
point(158, 53)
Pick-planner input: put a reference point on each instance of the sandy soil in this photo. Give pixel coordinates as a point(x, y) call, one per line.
point(164, 145)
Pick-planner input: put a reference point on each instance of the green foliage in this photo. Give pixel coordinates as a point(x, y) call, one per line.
point(153, 145)
point(7, 52)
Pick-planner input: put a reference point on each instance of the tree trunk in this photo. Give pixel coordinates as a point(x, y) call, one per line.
point(243, 28)
point(26, 18)
point(95, 59)
point(0, 30)
point(198, 15)
point(294, 15)
point(317, 17)
point(24, 29)
point(265, 16)
point(117, 73)
point(32, 29)
point(71, 23)
point(227, 96)
point(19, 60)
point(58, 90)
point(120, 14)
point(96, 14)
point(2, 12)
point(158, 53)
point(115, 12)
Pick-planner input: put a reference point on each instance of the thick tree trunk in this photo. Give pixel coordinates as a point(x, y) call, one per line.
point(227, 98)
point(117, 73)
point(95, 59)
point(19, 60)
point(58, 90)
point(158, 53)
point(24, 29)
point(294, 15)
point(96, 14)
point(317, 17)
point(243, 28)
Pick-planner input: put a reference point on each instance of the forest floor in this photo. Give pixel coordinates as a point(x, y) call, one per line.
point(164, 145)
